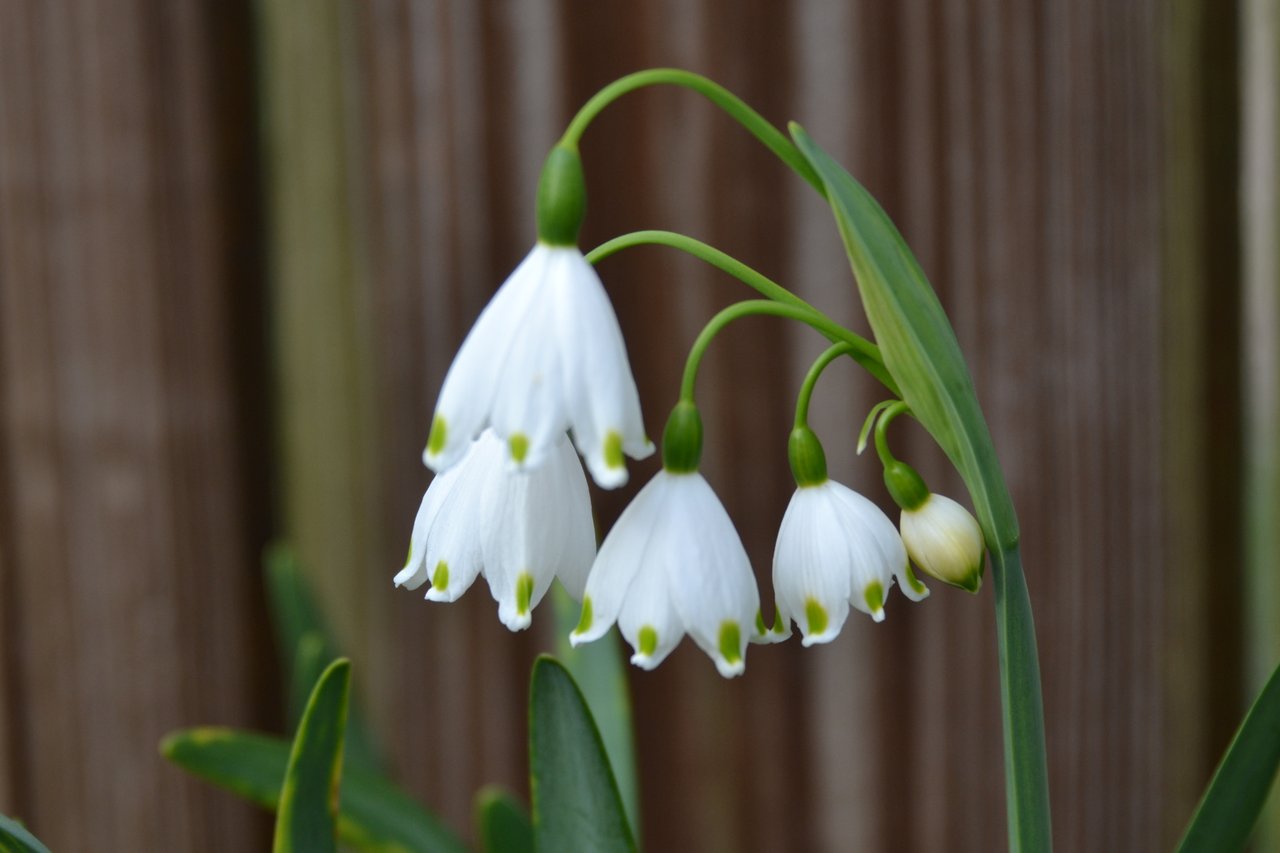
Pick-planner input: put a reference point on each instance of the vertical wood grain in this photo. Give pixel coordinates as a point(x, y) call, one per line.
point(130, 571)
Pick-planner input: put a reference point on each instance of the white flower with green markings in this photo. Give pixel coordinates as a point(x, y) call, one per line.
point(520, 530)
point(673, 564)
point(546, 355)
point(945, 541)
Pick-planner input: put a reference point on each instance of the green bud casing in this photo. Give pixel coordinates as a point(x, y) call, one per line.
point(808, 461)
point(562, 197)
point(682, 439)
point(905, 486)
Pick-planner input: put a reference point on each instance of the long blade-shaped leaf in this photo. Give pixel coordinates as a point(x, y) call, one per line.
point(502, 823)
point(306, 818)
point(576, 806)
point(14, 838)
point(306, 647)
point(920, 351)
point(372, 813)
point(1231, 804)
point(600, 672)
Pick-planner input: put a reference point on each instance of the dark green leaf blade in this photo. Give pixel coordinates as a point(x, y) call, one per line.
point(14, 838)
point(599, 669)
point(306, 647)
point(372, 813)
point(576, 806)
point(1231, 804)
point(920, 350)
point(502, 823)
point(307, 815)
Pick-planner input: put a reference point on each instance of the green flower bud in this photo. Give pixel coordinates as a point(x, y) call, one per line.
point(945, 541)
point(562, 197)
point(808, 461)
point(905, 486)
point(682, 439)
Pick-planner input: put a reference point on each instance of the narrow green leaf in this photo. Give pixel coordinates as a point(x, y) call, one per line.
point(306, 818)
point(599, 668)
point(920, 350)
point(576, 806)
point(1231, 804)
point(372, 813)
point(306, 646)
point(14, 838)
point(502, 824)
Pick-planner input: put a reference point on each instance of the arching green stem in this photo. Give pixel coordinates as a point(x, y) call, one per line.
point(811, 379)
point(755, 307)
point(862, 350)
point(882, 443)
point(773, 139)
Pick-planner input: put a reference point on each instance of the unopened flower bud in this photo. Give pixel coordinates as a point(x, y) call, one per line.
point(945, 541)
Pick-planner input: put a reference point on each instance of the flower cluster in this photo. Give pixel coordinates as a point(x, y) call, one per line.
point(543, 371)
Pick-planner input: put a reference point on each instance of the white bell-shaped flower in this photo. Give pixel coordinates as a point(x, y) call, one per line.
point(545, 356)
point(520, 530)
point(673, 564)
point(945, 541)
point(836, 548)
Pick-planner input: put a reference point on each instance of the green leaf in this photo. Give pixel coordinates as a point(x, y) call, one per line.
point(1231, 804)
point(576, 806)
point(306, 818)
point(372, 813)
point(306, 647)
point(599, 668)
point(502, 823)
point(14, 838)
point(920, 350)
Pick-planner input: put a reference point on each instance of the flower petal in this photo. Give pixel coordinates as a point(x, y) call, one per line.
point(811, 577)
point(602, 400)
point(648, 620)
point(415, 572)
point(712, 585)
point(467, 396)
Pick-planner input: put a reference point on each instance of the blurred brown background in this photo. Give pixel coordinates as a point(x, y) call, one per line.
point(240, 242)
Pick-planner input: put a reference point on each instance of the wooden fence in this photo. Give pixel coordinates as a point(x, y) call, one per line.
point(239, 244)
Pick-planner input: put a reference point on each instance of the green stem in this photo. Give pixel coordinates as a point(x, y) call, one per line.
point(882, 425)
point(1022, 709)
point(811, 379)
point(863, 351)
point(773, 139)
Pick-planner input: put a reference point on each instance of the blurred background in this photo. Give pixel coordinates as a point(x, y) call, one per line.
point(241, 241)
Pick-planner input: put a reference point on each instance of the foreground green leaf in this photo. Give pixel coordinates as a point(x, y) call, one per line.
point(576, 806)
point(306, 647)
point(1231, 804)
point(600, 672)
point(502, 823)
point(14, 838)
point(306, 818)
point(920, 350)
point(373, 814)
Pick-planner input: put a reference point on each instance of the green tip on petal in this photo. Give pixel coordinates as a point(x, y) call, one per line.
point(648, 641)
point(409, 556)
point(914, 582)
point(587, 617)
point(440, 577)
point(613, 449)
point(524, 592)
point(518, 443)
point(439, 434)
point(815, 616)
point(761, 629)
point(778, 626)
point(730, 641)
point(874, 596)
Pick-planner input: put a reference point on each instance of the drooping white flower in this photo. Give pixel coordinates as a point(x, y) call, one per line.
point(673, 564)
point(945, 541)
point(545, 356)
point(836, 548)
point(520, 530)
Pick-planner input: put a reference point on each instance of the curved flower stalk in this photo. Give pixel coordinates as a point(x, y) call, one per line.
point(673, 564)
point(520, 530)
